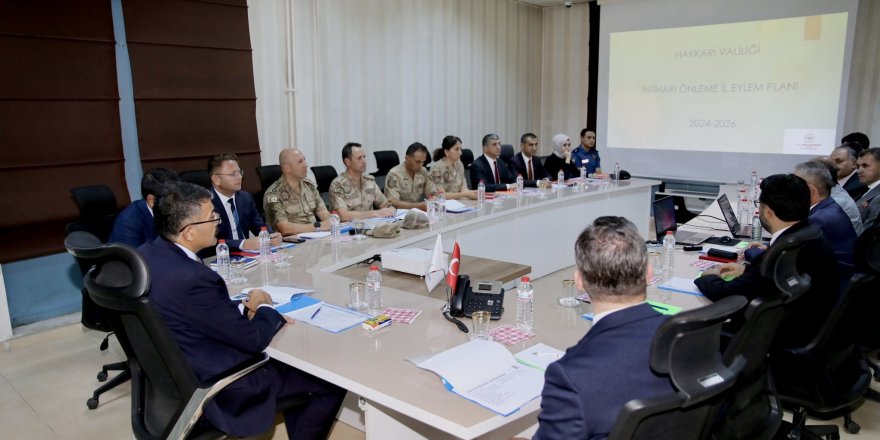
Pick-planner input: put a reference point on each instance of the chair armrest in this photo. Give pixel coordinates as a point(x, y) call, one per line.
point(202, 396)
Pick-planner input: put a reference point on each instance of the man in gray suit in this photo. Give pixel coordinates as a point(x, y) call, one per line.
point(869, 174)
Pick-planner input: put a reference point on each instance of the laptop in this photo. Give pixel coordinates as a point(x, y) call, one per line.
point(737, 230)
point(664, 220)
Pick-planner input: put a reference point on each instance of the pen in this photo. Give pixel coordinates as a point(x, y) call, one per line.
point(538, 353)
point(659, 307)
point(315, 314)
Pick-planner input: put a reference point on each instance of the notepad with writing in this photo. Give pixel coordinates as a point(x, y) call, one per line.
point(327, 316)
point(500, 383)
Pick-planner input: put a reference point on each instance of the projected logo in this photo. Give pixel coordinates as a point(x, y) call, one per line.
point(808, 141)
point(809, 138)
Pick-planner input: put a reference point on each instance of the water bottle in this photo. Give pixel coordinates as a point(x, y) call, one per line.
point(583, 175)
point(334, 227)
point(616, 172)
point(753, 185)
point(560, 177)
point(265, 245)
point(432, 210)
point(519, 184)
point(441, 206)
point(756, 227)
point(745, 210)
point(668, 254)
point(525, 299)
point(223, 263)
point(374, 291)
point(481, 193)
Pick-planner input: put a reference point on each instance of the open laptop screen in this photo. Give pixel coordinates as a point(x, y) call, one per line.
point(729, 215)
point(664, 216)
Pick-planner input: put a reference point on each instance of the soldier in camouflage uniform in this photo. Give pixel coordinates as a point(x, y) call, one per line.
point(408, 184)
point(354, 194)
point(293, 204)
point(447, 172)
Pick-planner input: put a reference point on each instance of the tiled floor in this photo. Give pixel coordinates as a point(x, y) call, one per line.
point(46, 377)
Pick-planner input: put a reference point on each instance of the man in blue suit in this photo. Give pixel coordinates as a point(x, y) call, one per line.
point(585, 390)
point(829, 216)
point(237, 209)
point(214, 336)
point(134, 225)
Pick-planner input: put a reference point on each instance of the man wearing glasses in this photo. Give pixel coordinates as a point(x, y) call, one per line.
point(236, 207)
point(214, 336)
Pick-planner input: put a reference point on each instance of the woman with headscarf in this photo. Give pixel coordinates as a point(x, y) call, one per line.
point(561, 158)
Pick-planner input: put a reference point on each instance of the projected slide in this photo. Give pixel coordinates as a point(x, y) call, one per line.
point(769, 86)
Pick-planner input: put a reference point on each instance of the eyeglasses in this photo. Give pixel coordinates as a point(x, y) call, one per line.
point(214, 218)
point(232, 174)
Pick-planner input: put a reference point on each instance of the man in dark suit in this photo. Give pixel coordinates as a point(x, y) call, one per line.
point(784, 208)
point(237, 209)
point(829, 216)
point(846, 157)
point(526, 163)
point(869, 175)
point(488, 168)
point(134, 225)
point(214, 336)
point(585, 390)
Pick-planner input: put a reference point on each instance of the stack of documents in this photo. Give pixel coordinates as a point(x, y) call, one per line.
point(456, 207)
point(485, 373)
point(315, 312)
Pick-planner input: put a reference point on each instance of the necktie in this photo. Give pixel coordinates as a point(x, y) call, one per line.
point(235, 217)
point(497, 176)
point(530, 170)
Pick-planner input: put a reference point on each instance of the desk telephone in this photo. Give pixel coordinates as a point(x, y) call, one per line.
point(488, 295)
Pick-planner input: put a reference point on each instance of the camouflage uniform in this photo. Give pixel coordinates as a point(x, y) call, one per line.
point(449, 178)
point(281, 203)
point(399, 186)
point(345, 195)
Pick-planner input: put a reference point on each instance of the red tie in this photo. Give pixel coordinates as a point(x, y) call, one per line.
point(497, 177)
point(530, 170)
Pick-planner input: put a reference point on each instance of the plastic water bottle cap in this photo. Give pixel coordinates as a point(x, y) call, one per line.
point(524, 279)
point(669, 233)
point(374, 267)
point(263, 228)
point(221, 241)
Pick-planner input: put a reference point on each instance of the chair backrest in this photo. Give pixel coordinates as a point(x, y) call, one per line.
point(385, 161)
point(162, 380)
point(197, 177)
point(97, 210)
point(687, 348)
point(867, 253)
point(324, 175)
point(268, 174)
point(506, 152)
point(467, 157)
point(780, 262)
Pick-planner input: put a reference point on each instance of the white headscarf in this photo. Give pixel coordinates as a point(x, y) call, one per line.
point(558, 141)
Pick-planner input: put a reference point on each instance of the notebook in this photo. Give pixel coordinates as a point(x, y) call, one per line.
point(664, 220)
point(736, 229)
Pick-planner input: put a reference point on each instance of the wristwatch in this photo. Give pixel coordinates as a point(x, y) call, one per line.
point(317, 225)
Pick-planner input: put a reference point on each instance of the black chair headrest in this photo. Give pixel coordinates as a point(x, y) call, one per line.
point(120, 272)
point(687, 348)
point(780, 262)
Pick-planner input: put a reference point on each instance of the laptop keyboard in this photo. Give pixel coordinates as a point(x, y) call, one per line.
point(691, 237)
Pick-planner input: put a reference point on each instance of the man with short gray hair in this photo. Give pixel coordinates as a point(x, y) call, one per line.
point(491, 170)
point(585, 390)
point(841, 196)
point(845, 157)
point(829, 216)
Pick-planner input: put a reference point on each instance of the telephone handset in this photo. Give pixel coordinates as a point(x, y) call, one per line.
point(489, 296)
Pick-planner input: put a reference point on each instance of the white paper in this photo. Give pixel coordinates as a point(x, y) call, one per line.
point(455, 207)
point(331, 317)
point(487, 374)
point(679, 284)
point(539, 356)
point(279, 294)
point(316, 234)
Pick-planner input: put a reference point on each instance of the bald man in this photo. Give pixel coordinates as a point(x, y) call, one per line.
point(293, 204)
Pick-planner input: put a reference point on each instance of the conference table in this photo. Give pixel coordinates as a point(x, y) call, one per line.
point(395, 397)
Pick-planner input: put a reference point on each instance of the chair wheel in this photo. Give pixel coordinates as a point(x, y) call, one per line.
point(92, 403)
point(102, 376)
point(851, 427)
point(877, 375)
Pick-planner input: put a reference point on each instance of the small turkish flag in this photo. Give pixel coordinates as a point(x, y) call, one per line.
point(452, 275)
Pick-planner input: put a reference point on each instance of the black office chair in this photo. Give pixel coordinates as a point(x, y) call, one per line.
point(868, 262)
point(467, 158)
point(324, 175)
point(167, 401)
point(828, 377)
point(385, 161)
point(751, 410)
point(268, 174)
point(506, 153)
point(198, 177)
point(97, 214)
point(687, 348)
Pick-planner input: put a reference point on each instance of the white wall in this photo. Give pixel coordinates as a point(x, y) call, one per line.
point(391, 72)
